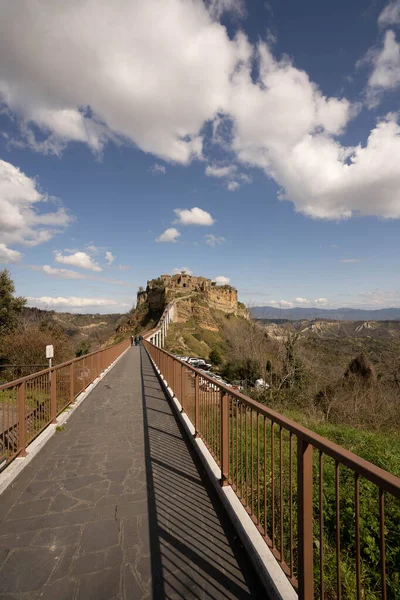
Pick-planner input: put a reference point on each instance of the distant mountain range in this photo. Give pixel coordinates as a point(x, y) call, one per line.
point(338, 314)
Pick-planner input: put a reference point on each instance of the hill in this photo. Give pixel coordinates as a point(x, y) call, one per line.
point(201, 311)
point(340, 314)
point(94, 330)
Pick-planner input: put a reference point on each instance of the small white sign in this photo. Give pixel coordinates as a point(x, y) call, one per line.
point(50, 351)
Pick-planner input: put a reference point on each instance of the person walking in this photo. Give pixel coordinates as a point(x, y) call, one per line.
point(132, 340)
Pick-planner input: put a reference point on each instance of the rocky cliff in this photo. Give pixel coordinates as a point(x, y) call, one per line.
point(193, 297)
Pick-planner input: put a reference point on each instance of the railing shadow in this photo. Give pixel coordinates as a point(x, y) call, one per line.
point(194, 550)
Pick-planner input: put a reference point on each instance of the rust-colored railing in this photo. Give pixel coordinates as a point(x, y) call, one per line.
point(309, 498)
point(29, 404)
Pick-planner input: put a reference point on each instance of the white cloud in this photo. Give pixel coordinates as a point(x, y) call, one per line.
point(156, 168)
point(222, 280)
point(7, 255)
point(73, 302)
point(169, 235)
point(390, 14)
point(218, 7)
point(63, 273)
point(350, 260)
point(138, 83)
point(216, 171)
point(21, 221)
point(232, 186)
point(186, 269)
point(304, 301)
point(281, 303)
point(81, 260)
point(386, 68)
point(92, 248)
point(214, 240)
point(131, 82)
point(193, 216)
point(109, 258)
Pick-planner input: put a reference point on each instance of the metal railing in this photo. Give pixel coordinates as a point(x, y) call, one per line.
point(31, 403)
point(309, 498)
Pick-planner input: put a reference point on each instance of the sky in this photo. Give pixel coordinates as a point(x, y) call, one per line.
point(251, 142)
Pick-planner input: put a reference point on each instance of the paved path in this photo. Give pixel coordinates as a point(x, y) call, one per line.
point(115, 506)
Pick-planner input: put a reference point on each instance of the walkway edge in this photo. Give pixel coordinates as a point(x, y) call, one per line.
point(18, 464)
point(272, 577)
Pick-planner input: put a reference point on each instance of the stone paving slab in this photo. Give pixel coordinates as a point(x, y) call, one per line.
point(117, 506)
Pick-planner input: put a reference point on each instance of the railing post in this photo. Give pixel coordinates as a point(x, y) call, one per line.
point(71, 382)
point(224, 441)
point(181, 399)
point(305, 519)
point(196, 405)
point(83, 373)
point(21, 420)
point(53, 395)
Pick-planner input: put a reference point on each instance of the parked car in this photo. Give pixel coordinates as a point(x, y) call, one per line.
point(260, 384)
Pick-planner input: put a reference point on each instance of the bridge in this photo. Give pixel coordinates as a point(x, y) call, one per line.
point(127, 473)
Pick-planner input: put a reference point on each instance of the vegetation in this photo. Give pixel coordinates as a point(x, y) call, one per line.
point(25, 333)
point(10, 306)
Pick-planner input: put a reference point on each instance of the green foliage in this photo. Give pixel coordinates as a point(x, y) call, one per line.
point(215, 357)
point(10, 306)
point(248, 369)
point(83, 348)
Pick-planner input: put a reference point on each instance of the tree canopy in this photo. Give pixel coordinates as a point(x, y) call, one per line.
point(10, 305)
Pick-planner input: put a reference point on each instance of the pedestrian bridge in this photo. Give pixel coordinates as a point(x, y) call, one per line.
point(158, 482)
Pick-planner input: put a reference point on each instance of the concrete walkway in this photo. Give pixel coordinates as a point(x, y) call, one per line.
point(117, 506)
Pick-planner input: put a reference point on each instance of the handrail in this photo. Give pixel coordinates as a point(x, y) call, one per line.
point(380, 477)
point(29, 404)
point(64, 364)
point(275, 488)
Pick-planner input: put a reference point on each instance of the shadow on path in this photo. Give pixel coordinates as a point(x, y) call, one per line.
point(194, 549)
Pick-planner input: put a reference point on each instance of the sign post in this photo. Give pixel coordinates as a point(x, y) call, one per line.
point(50, 356)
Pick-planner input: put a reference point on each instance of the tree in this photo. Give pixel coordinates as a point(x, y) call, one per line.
point(10, 306)
point(215, 357)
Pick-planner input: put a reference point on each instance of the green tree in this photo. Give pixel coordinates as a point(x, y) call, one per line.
point(83, 348)
point(10, 305)
point(215, 357)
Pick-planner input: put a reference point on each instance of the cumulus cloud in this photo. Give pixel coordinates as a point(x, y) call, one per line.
point(125, 67)
point(298, 301)
point(169, 235)
point(7, 255)
point(232, 186)
point(109, 258)
point(156, 168)
point(22, 219)
point(73, 302)
point(63, 273)
point(301, 301)
point(390, 14)
point(385, 73)
point(222, 280)
point(81, 260)
point(193, 216)
point(216, 171)
point(214, 240)
point(218, 7)
point(281, 303)
point(131, 82)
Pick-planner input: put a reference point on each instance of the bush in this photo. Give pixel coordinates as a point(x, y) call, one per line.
point(215, 357)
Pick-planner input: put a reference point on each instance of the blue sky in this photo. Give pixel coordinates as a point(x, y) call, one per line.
point(256, 142)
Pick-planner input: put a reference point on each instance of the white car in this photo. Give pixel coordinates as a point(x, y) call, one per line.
point(260, 384)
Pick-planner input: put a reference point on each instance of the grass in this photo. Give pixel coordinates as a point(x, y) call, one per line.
point(258, 485)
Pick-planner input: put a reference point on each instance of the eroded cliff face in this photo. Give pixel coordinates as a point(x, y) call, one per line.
point(193, 297)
